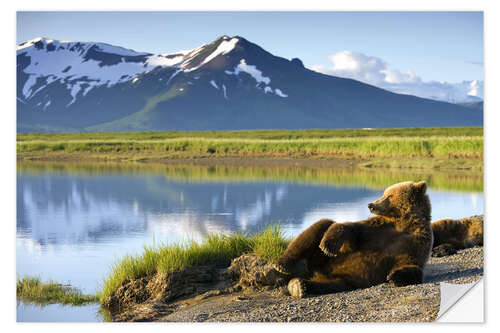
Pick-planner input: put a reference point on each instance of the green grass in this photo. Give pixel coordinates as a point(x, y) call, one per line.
point(269, 244)
point(258, 134)
point(471, 147)
point(32, 290)
point(429, 147)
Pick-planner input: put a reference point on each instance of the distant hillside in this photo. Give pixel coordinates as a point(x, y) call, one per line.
point(473, 105)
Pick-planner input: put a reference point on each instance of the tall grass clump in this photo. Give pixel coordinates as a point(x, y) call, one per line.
point(32, 290)
point(270, 243)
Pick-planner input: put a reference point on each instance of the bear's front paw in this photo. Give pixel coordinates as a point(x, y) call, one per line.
point(297, 288)
point(405, 275)
point(333, 239)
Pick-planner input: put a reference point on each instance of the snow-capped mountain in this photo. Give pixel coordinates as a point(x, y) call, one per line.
point(230, 83)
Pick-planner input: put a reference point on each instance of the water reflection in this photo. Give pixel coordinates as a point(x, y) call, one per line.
point(58, 313)
point(74, 221)
point(69, 209)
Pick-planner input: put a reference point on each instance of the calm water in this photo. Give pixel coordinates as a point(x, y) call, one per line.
point(74, 221)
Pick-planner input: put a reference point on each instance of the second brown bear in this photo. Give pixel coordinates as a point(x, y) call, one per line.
point(451, 235)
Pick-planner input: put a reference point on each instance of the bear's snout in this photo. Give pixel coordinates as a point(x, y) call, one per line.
point(371, 206)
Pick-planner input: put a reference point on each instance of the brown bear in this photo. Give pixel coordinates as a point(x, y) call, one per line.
point(393, 246)
point(452, 235)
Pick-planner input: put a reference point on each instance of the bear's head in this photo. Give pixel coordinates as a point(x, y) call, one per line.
point(401, 199)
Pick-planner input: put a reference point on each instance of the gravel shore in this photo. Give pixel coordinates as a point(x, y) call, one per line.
point(382, 303)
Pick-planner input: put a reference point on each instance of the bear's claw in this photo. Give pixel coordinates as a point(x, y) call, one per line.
point(297, 288)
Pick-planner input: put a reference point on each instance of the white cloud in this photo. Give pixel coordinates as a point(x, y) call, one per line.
point(375, 71)
point(476, 88)
point(356, 66)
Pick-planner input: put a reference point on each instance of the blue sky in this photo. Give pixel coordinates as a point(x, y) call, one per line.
point(433, 46)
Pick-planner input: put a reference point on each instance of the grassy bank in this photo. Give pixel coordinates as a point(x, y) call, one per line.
point(422, 144)
point(32, 290)
point(269, 244)
point(258, 134)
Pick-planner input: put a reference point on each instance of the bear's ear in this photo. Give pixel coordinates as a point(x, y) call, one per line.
point(420, 186)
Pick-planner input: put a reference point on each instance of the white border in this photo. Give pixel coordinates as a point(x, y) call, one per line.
point(492, 110)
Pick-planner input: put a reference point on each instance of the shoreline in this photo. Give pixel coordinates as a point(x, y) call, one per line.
point(343, 162)
point(380, 303)
point(336, 162)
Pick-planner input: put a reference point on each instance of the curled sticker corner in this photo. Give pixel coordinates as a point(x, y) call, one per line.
point(451, 294)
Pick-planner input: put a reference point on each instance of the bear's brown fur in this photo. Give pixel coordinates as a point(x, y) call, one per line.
point(451, 235)
point(393, 246)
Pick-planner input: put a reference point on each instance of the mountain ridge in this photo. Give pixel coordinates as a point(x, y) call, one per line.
point(230, 83)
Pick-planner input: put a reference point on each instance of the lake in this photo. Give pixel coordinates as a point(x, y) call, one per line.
point(74, 220)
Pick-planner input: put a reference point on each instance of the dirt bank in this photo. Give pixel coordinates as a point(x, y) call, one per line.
point(258, 303)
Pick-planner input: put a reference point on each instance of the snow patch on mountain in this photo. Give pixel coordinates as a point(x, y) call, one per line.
point(172, 76)
point(28, 85)
point(280, 93)
point(48, 81)
point(164, 60)
point(224, 47)
point(74, 91)
point(188, 58)
point(212, 82)
point(87, 89)
point(249, 69)
point(224, 89)
point(28, 43)
point(255, 73)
